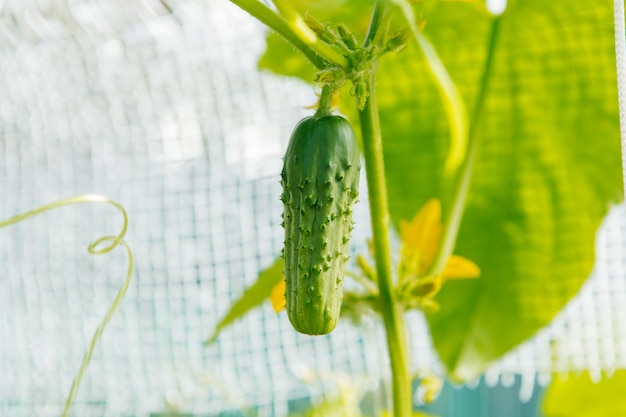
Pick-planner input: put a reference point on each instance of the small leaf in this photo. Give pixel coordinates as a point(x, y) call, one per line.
point(251, 298)
point(580, 396)
point(281, 58)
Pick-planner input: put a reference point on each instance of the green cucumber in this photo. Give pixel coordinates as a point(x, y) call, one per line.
point(320, 180)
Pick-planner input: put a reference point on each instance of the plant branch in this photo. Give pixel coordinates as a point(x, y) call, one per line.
point(316, 51)
point(453, 219)
point(379, 210)
point(324, 105)
point(307, 35)
point(389, 307)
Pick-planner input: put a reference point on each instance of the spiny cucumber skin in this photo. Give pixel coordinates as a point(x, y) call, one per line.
point(320, 180)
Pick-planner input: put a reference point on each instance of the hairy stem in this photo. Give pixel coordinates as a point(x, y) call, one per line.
point(389, 307)
point(324, 105)
point(379, 210)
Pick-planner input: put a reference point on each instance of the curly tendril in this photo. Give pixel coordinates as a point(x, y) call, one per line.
point(94, 249)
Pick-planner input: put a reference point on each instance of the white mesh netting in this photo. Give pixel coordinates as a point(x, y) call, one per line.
point(162, 108)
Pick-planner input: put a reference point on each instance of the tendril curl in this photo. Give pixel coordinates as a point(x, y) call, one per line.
point(94, 248)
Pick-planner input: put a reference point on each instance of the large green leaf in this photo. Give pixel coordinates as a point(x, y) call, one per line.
point(548, 164)
point(547, 167)
point(579, 396)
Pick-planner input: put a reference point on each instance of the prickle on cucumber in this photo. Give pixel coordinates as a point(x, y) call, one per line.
point(320, 180)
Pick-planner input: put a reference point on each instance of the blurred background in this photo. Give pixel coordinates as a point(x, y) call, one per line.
point(160, 106)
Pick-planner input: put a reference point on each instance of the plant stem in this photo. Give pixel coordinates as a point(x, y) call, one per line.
point(452, 221)
point(389, 308)
point(306, 34)
point(317, 52)
point(379, 212)
point(324, 105)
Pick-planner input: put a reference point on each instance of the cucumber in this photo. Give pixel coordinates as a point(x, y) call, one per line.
point(320, 180)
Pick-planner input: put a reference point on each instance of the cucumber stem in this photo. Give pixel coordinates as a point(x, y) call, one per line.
point(324, 105)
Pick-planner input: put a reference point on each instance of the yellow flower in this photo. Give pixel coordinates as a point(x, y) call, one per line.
point(420, 242)
point(429, 388)
point(420, 238)
point(277, 297)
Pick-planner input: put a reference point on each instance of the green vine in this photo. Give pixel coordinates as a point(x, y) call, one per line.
point(380, 218)
point(324, 107)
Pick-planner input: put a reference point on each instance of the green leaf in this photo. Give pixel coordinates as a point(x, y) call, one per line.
point(291, 62)
point(579, 396)
point(547, 166)
point(251, 298)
